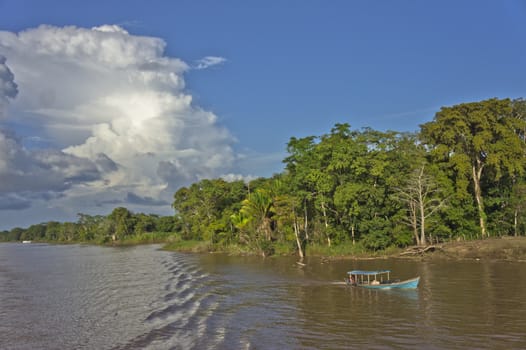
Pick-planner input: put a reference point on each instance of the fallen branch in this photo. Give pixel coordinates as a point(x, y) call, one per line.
point(420, 250)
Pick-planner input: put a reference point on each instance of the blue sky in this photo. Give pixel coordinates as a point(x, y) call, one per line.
point(276, 69)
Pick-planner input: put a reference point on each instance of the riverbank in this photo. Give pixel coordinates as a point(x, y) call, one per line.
point(505, 248)
point(499, 248)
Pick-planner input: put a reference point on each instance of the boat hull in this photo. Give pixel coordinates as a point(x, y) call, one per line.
point(407, 284)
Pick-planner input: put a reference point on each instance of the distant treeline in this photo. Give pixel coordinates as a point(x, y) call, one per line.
point(120, 225)
point(461, 176)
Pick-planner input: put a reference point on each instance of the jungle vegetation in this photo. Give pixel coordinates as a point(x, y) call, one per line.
point(462, 176)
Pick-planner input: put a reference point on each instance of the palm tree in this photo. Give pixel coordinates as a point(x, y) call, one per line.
point(258, 208)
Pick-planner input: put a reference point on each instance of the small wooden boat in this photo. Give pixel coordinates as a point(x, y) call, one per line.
point(378, 280)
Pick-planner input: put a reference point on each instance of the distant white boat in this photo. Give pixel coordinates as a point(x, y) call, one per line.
point(26, 241)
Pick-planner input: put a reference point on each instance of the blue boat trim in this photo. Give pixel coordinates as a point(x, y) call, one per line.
point(366, 272)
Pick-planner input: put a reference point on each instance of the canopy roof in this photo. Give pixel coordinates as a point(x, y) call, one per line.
point(365, 272)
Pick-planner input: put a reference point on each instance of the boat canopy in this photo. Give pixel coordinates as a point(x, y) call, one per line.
point(367, 273)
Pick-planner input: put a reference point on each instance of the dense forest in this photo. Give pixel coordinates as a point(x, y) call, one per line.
point(462, 176)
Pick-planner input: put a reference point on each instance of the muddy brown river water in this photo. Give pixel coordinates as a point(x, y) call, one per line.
point(89, 297)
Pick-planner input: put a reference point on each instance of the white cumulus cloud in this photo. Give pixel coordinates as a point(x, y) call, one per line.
point(120, 125)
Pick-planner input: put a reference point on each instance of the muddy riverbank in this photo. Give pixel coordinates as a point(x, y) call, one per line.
point(505, 248)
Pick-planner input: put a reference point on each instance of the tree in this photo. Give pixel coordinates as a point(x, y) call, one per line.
point(421, 195)
point(518, 206)
point(308, 167)
point(34, 232)
point(15, 234)
point(473, 137)
point(297, 169)
point(258, 208)
point(349, 199)
point(286, 216)
point(166, 224)
point(89, 226)
point(68, 232)
point(205, 207)
point(52, 230)
point(123, 222)
point(144, 223)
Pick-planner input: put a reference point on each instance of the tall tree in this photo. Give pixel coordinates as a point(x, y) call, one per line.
point(422, 197)
point(258, 208)
point(89, 226)
point(476, 136)
point(303, 167)
point(122, 221)
point(518, 206)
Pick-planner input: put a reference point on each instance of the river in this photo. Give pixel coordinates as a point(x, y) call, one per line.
point(90, 297)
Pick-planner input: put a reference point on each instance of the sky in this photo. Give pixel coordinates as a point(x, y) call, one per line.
point(110, 103)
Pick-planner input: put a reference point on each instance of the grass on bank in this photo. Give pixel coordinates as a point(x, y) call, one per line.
point(145, 238)
point(346, 249)
point(192, 246)
point(505, 248)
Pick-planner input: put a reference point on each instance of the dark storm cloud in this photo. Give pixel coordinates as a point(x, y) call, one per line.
point(40, 170)
point(13, 202)
point(8, 87)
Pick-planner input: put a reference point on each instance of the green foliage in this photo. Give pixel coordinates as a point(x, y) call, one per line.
point(203, 209)
point(402, 236)
point(345, 192)
point(343, 249)
point(147, 238)
point(481, 142)
point(378, 235)
point(122, 223)
point(285, 248)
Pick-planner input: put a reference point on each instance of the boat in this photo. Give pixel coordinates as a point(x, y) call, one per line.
point(26, 242)
point(379, 279)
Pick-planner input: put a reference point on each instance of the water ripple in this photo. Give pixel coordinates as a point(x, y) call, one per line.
point(77, 297)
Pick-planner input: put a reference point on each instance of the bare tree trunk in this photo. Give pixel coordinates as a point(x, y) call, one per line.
point(298, 241)
point(478, 196)
point(306, 223)
point(422, 225)
point(352, 234)
point(516, 223)
point(414, 221)
point(296, 228)
point(266, 229)
point(326, 222)
point(421, 202)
